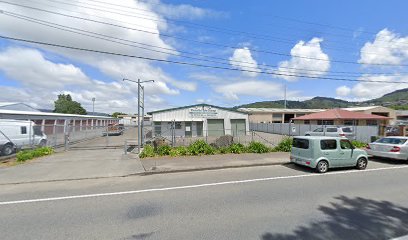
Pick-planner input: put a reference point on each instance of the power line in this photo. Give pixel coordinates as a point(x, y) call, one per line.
point(190, 64)
point(227, 62)
point(202, 42)
point(210, 28)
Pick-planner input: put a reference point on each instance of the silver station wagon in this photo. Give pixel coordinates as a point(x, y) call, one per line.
point(322, 153)
point(389, 147)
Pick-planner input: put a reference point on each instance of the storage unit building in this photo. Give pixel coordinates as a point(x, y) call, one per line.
point(199, 120)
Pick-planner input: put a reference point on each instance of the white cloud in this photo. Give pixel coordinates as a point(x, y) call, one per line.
point(184, 11)
point(387, 48)
point(242, 59)
point(307, 66)
point(39, 70)
point(371, 90)
point(29, 67)
point(343, 91)
point(264, 89)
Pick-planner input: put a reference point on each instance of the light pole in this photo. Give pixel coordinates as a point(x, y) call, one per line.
point(140, 89)
point(93, 106)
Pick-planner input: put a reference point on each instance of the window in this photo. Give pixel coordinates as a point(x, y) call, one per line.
point(328, 144)
point(301, 143)
point(37, 131)
point(177, 125)
point(371, 122)
point(347, 129)
point(318, 130)
point(325, 122)
point(277, 115)
point(306, 122)
point(23, 130)
point(331, 129)
point(157, 128)
point(397, 141)
point(351, 122)
point(344, 144)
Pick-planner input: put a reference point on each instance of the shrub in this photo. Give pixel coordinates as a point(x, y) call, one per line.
point(257, 147)
point(163, 150)
point(237, 148)
point(200, 147)
point(178, 151)
point(285, 145)
point(359, 144)
point(148, 151)
point(34, 153)
point(223, 150)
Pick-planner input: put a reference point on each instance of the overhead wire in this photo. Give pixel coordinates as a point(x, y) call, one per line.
point(209, 28)
point(176, 52)
point(201, 42)
point(188, 63)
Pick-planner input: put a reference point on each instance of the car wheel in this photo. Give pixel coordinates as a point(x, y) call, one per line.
point(322, 166)
point(307, 134)
point(42, 143)
point(361, 164)
point(8, 149)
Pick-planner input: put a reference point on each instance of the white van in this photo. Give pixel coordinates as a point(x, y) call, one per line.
point(16, 134)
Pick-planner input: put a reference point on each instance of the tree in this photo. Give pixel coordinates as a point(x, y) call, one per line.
point(65, 104)
point(116, 114)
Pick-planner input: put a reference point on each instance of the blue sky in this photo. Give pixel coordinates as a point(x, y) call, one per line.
point(306, 38)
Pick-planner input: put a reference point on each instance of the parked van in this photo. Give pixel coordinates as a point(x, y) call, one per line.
point(322, 153)
point(333, 131)
point(16, 134)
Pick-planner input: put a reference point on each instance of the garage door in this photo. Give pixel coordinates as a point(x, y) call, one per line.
point(215, 127)
point(238, 127)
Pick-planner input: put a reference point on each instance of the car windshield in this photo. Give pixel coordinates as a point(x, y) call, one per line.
point(347, 130)
point(397, 141)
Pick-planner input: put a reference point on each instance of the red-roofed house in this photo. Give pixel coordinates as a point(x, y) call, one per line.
point(342, 117)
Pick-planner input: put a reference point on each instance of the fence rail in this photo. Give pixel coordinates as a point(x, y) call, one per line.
point(362, 133)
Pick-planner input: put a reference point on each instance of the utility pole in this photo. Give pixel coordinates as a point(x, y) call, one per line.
point(285, 97)
point(93, 106)
point(140, 104)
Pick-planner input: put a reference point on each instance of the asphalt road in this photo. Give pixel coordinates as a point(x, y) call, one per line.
point(275, 202)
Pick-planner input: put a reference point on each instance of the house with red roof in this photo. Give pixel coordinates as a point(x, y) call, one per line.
point(342, 117)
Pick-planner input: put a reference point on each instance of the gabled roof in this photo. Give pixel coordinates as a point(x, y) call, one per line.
point(337, 113)
point(195, 105)
point(279, 110)
point(361, 108)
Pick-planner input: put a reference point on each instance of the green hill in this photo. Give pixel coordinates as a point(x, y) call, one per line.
point(397, 100)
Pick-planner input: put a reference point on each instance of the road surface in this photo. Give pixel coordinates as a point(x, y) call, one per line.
point(267, 203)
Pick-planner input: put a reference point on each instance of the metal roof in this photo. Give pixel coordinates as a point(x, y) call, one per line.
point(360, 108)
point(4, 113)
point(195, 105)
point(340, 114)
point(279, 110)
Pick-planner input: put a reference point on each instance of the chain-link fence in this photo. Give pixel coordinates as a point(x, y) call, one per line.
point(216, 137)
point(361, 133)
point(16, 135)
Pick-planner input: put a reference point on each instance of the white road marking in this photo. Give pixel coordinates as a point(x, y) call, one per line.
point(197, 186)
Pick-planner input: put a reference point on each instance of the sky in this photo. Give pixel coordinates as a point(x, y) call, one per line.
point(224, 53)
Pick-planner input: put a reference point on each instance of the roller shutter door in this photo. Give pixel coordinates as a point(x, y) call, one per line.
point(215, 127)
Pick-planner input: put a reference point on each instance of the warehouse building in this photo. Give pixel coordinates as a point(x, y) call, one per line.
point(275, 115)
point(199, 120)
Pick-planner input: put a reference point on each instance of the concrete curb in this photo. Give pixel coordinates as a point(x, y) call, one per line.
point(153, 172)
point(148, 173)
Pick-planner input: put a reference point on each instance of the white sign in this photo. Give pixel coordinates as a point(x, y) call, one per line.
point(188, 129)
point(203, 112)
point(293, 129)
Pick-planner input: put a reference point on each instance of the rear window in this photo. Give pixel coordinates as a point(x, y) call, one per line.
point(301, 143)
point(328, 144)
point(392, 140)
point(331, 129)
point(347, 130)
